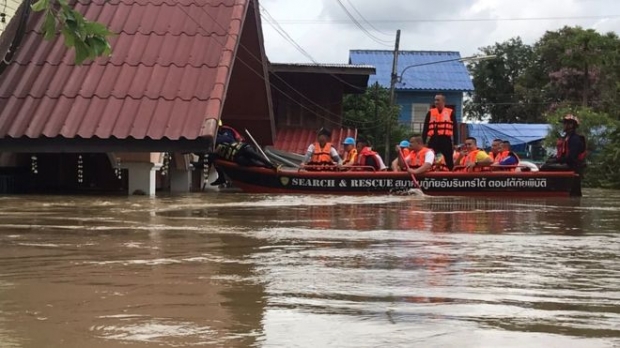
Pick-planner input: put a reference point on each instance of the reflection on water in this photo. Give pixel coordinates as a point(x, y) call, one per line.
point(236, 270)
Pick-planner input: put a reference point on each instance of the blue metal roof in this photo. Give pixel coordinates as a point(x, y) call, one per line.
point(519, 135)
point(446, 76)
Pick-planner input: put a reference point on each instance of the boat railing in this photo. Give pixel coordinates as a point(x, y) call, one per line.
point(319, 168)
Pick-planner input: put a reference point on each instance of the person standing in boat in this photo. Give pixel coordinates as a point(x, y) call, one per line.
point(441, 129)
point(476, 158)
point(350, 152)
point(421, 158)
point(571, 153)
point(366, 157)
point(322, 153)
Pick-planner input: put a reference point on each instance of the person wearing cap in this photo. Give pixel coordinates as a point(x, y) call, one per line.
point(571, 152)
point(366, 157)
point(322, 153)
point(350, 152)
point(403, 147)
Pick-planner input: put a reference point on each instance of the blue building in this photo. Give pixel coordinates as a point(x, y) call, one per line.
point(429, 73)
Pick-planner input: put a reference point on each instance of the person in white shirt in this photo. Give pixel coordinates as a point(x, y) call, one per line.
point(420, 158)
point(322, 153)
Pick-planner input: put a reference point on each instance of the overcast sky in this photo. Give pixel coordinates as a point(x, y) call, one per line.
point(323, 29)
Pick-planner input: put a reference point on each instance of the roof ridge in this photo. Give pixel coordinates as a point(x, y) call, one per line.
point(91, 63)
point(96, 96)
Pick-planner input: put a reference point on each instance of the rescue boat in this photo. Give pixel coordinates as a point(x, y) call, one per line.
point(363, 182)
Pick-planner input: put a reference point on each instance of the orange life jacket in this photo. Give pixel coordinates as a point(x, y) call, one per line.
point(350, 157)
point(471, 157)
point(440, 123)
point(321, 155)
point(416, 159)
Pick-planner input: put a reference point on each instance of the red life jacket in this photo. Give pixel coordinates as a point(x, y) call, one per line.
point(440, 123)
point(562, 147)
point(362, 155)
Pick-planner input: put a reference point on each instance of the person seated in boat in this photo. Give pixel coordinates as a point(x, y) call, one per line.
point(366, 157)
point(571, 153)
point(402, 147)
point(322, 153)
point(496, 150)
point(476, 158)
point(440, 163)
point(505, 159)
point(350, 152)
point(458, 157)
point(421, 158)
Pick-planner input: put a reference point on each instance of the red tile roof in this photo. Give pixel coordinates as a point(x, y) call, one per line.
point(297, 140)
point(165, 79)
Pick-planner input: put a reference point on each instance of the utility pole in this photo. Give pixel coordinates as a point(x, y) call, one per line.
point(394, 78)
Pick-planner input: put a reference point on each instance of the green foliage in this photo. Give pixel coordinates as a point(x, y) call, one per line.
point(501, 92)
point(89, 39)
point(370, 113)
point(570, 67)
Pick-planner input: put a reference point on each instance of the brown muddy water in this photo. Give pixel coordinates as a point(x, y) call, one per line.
point(237, 270)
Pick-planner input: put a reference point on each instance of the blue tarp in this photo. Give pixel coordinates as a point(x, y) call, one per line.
point(519, 135)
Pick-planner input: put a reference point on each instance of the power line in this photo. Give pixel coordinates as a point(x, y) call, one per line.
point(365, 20)
point(441, 20)
point(357, 24)
point(274, 24)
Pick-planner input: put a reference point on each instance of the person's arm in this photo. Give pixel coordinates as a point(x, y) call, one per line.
point(483, 159)
point(429, 160)
point(380, 163)
point(575, 147)
point(308, 154)
point(455, 128)
point(335, 156)
point(425, 128)
point(509, 161)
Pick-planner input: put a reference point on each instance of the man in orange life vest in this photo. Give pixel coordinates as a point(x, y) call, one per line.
point(421, 158)
point(441, 129)
point(496, 150)
point(476, 158)
point(322, 153)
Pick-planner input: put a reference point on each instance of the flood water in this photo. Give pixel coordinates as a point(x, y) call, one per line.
point(236, 270)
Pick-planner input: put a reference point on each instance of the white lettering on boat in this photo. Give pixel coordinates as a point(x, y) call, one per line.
point(313, 182)
point(372, 182)
point(483, 183)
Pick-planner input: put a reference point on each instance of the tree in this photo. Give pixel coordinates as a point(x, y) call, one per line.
point(582, 67)
point(501, 94)
point(89, 39)
point(369, 113)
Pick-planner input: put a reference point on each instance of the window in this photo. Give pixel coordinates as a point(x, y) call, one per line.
point(418, 113)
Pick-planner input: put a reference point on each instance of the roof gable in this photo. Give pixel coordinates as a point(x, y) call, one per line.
point(165, 78)
point(446, 76)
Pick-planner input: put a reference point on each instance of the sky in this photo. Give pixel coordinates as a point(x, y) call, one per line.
point(321, 31)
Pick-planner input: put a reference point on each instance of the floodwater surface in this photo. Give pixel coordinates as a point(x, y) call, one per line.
point(237, 270)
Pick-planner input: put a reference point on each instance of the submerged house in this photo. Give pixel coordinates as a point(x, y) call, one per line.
point(420, 76)
point(142, 120)
point(177, 68)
